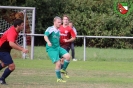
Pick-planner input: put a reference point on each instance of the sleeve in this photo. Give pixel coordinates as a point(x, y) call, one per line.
point(72, 33)
point(74, 29)
point(48, 31)
point(11, 37)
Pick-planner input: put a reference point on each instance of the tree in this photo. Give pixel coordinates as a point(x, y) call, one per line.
point(90, 17)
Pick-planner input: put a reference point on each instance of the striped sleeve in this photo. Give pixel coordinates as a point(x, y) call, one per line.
point(48, 31)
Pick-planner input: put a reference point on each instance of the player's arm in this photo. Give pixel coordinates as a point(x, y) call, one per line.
point(46, 34)
point(47, 40)
point(73, 36)
point(70, 40)
point(17, 47)
point(18, 44)
point(12, 38)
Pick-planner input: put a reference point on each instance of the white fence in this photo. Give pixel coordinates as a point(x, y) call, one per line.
point(84, 41)
point(79, 36)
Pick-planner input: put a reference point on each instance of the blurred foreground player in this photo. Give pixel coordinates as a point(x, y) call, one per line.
point(7, 42)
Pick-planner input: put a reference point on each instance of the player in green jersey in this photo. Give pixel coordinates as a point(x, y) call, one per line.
point(55, 52)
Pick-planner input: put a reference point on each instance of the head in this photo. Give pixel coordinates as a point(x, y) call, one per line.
point(57, 22)
point(65, 20)
point(19, 24)
point(71, 24)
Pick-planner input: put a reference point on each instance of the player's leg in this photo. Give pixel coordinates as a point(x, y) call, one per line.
point(7, 72)
point(62, 62)
point(62, 59)
point(7, 60)
point(66, 57)
point(57, 71)
point(66, 60)
point(54, 56)
point(73, 51)
point(2, 65)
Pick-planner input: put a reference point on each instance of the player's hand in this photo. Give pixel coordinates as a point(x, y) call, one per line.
point(65, 40)
point(25, 51)
point(49, 44)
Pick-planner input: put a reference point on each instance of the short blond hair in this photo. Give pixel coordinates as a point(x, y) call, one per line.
point(56, 17)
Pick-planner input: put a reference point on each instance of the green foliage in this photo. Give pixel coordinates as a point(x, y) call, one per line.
point(46, 10)
point(97, 18)
point(90, 17)
point(7, 2)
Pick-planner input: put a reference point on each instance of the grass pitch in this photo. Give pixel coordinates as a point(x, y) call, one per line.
point(103, 68)
point(92, 54)
point(83, 74)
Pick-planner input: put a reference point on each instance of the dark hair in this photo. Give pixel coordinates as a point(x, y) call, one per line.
point(17, 22)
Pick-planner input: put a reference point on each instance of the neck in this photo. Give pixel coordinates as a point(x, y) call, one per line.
point(65, 25)
point(55, 27)
point(17, 30)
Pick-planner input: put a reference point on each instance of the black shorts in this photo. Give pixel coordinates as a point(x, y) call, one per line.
point(6, 58)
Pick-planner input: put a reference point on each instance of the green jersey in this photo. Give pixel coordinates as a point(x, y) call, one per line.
point(53, 36)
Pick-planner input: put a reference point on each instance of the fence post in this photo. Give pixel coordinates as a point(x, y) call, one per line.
point(24, 35)
point(84, 48)
point(32, 36)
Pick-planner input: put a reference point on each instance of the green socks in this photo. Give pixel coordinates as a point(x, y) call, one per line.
point(66, 63)
point(58, 74)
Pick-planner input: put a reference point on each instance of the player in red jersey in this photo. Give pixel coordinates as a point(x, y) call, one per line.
point(67, 36)
point(7, 42)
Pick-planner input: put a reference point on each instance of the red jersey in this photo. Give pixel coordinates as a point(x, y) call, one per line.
point(66, 33)
point(9, 36)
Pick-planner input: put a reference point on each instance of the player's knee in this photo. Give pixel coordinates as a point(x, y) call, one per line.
point(12, 67)
point(67, 56)
point(3, 65)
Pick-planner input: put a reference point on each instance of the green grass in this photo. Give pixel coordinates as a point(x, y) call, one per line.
point(93, 54)
point(97, 54)
point(83, 74)
point(103, 68)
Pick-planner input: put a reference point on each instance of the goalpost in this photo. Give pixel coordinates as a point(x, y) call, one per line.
point(9, 14)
